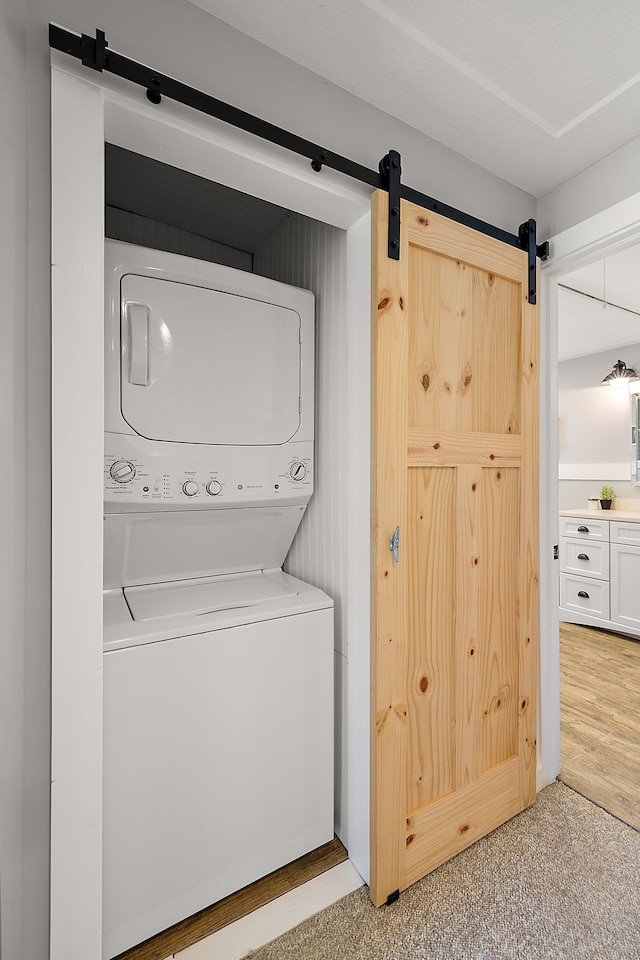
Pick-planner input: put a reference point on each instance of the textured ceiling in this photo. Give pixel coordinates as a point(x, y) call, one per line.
point(534, 92)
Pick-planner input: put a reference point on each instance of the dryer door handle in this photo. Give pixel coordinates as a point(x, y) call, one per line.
point(138, 343)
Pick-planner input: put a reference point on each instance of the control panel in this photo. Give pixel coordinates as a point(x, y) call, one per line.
point(139, 474)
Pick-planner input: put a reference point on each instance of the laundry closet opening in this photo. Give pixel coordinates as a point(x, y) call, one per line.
point(156, 206)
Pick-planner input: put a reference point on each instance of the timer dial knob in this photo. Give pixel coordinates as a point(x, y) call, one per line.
point(297, 471)
point(122, 471)
point(190, 488)
point(213, 487)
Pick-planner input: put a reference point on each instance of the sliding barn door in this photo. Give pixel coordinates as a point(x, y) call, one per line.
point(455, 472)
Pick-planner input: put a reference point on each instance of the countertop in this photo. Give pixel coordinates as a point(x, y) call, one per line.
point(612, 514)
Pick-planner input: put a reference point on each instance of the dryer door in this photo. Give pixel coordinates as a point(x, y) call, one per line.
point(203, 366)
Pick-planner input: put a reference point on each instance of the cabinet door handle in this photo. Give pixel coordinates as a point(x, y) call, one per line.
point(582, 556)
point(583, 529)
point(583, 593)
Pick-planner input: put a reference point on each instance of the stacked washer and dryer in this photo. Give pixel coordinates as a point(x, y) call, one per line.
point(218, 665)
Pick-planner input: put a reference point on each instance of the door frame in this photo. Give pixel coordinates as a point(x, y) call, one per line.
point(605, 233)
point(85, 110)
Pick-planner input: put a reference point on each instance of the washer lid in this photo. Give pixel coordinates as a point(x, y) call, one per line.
point(204, 366)
point(198, 597)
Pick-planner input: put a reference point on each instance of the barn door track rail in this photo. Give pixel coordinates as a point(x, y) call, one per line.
point(95, 53)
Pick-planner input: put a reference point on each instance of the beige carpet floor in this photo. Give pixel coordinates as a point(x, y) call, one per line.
point(559, 882)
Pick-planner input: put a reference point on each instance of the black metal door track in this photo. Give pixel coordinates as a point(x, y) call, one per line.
point(96, 54)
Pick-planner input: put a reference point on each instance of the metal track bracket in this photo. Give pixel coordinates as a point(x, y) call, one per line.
point(527, 235)
point(94, 52)
point(391, 170)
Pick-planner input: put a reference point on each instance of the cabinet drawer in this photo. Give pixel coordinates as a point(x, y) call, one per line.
point(625, 531)
point(585, 528)
point(585, 594)
point(585, 559)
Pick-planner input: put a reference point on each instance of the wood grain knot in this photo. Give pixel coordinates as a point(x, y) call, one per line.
point(424, 684)
point(499, 475)
point(474, 487)
point(422, 221)
point(425, 382)
point(410, 838)
point(381, 719)
point(492, 456)
point(472, 651)
point(476, 561)
point(447, 386)
point(491, 278)
point(436, 446)
point(386, 574)
point(524, 703)
point(384, 303)
point(401, 302)
point(464, 828)
point(465, 380)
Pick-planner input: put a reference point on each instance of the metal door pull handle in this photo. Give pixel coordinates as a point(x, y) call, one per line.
point(583, 593)
point(582, 556)
point(583, 529)
point(394, 544)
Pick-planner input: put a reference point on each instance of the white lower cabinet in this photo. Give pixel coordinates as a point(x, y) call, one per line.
point(625, 585)
point(600, 572)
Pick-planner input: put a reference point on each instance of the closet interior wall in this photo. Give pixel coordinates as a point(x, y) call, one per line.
point(309, 254)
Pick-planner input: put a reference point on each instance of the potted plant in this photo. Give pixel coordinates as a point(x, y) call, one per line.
point(593, 503)
point(606, 496)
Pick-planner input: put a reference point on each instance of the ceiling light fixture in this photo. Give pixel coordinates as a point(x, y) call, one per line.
point(621, 375)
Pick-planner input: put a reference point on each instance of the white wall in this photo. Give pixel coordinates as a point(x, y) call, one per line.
point(178, 39)
point(600, 186)
point(594, 429)
point(13, 375)
point(24, 505)
point(312, 255)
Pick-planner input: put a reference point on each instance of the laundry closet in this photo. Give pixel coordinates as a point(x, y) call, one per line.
point(156, 216)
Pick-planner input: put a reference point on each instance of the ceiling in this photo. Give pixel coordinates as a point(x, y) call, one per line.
point(585, 324)
point(534, 92)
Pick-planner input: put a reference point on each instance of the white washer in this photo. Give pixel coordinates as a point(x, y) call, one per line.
point(218, 666)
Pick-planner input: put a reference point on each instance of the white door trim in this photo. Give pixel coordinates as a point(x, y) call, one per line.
point(607, 232)
point(86, 110)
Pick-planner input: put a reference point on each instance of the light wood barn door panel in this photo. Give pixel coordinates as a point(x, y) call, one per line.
point(454, 621)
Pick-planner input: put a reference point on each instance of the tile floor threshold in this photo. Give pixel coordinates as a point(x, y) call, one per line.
point(265, 924)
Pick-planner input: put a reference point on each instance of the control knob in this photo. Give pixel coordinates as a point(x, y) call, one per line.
point(297, 471)
point(122, 471)
point(213, 487)
point(190, 488)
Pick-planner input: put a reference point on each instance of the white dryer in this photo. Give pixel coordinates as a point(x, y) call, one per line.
point(218, 666)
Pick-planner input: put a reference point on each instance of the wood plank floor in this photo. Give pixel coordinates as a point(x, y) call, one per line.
point(600, 718)
point(245, 901)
